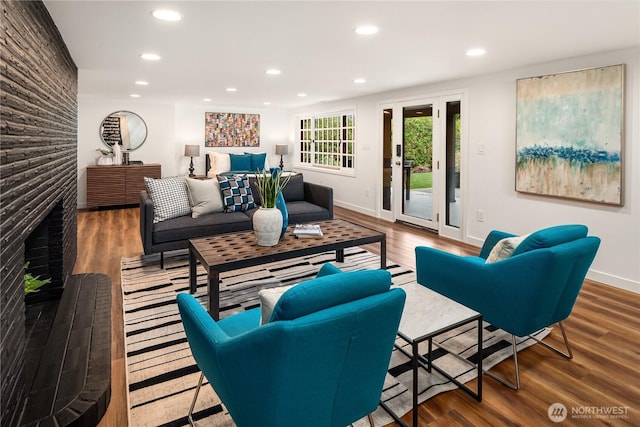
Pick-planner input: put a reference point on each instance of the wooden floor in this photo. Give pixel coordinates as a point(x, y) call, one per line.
point(603, 376)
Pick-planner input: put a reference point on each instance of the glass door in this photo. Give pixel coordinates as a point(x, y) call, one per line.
point(421, 169)
point(415, 165)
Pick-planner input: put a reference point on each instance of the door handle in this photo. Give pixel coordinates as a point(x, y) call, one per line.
point(397, 163)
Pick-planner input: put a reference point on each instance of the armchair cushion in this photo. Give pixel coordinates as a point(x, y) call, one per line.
point(328, 291)
point(504, 248)
point(270, 297)
point(552, 236)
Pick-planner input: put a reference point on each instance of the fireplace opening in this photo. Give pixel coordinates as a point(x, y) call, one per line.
point(43, 256)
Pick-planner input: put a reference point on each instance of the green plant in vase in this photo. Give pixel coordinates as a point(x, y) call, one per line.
point(269, 221)
point(270, 184)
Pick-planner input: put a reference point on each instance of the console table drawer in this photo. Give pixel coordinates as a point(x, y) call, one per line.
point(118, 185)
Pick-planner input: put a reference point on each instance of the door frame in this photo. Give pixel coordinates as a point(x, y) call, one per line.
point(439, 101)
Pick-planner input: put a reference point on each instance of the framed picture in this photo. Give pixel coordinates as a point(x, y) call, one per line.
point(569, 135)
point(231, 130)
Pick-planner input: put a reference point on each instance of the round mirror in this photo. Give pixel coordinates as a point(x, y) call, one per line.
point(124, 128)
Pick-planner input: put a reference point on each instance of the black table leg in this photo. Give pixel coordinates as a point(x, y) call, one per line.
point(213, 294)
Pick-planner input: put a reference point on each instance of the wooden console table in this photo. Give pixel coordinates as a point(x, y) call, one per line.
point(118, 185)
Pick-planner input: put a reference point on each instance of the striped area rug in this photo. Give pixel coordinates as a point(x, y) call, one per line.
point(162, 375)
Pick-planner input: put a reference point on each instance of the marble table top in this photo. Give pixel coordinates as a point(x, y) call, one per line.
point(427, 313)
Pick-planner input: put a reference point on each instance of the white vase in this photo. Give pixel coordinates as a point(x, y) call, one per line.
point(117, 154)
point(267, 226)
point(104, 161)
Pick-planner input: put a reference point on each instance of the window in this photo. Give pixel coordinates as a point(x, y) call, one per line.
point(328, 141)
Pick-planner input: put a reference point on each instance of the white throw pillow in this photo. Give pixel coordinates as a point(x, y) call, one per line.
point(220, 163)
point(268, 300)
point(504, 248)
point(205, 196)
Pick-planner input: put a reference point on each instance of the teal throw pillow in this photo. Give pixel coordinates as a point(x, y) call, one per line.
point(257, 161)
point(240, 162)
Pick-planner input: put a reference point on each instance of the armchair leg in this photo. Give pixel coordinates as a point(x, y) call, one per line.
point(370, 417)
point(568, 354)
point(193, 402)
point(515, 362)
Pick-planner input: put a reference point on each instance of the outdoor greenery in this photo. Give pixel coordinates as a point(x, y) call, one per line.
point(418, 140)
point(421, 180)
point(31, 284)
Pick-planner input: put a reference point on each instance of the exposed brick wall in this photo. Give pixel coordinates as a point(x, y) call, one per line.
point(38, 167)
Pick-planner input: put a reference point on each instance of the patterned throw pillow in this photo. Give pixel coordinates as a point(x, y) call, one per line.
point(170, 197)
point(236, 193)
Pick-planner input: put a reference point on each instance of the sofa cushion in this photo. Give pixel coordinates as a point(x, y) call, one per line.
point(552, 236)
point(236, 193)
point(185, 227)
point(205, 196)
point(300, 212)
point(294, 190)
point(170, 197)
point(240, 162)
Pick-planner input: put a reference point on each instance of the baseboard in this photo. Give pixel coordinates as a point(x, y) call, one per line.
point(615, 281)
point(356, 208)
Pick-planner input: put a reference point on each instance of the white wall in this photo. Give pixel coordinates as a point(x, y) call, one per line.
point(488, 180)
point(170, 127)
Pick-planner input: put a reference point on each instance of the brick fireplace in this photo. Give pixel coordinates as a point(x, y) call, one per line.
point(38, 174)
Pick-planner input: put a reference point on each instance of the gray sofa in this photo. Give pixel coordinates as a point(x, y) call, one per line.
point(306, 202)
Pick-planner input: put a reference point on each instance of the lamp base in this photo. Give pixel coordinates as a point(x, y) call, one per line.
point(191, 168)
point(281, 163)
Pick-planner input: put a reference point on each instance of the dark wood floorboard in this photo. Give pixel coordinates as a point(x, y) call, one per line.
point(603, 330)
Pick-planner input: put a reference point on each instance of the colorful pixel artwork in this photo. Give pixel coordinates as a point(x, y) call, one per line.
point(231, 130)
point(569, 135)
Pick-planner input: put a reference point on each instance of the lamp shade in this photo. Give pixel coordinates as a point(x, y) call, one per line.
point(191, 150)
point(282, 149)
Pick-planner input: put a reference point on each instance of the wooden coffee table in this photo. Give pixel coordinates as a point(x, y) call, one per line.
point(231, 251)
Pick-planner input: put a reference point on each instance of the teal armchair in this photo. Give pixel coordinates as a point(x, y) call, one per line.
point(533, 288)
point(320, 360)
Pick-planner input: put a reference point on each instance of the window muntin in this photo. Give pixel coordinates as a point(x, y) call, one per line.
point(328, 141)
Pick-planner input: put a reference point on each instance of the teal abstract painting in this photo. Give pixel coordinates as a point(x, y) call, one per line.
point(569, 135)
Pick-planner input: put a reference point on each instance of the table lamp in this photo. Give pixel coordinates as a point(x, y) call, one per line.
point(282, 149)
point(191, 151)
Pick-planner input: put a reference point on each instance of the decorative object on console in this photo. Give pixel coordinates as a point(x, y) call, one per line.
point(105, 158)
point(231, 130)
point(268, 220)
point(191, 151)
point(569, 135)
point(281, 150)
point(117, 155)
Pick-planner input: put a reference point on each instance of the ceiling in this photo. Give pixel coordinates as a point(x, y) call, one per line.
point(221, 44)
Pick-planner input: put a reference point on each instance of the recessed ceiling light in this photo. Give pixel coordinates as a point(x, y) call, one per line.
point(359, 81)
point(150, 56)
point(231, 89)
point(302, 94)
point(166, 15)
point(366, 30)
point(476, 52)
point(273, 72)
point(134, 95)
point(141, 83)
point(206, 99)
point(266, 103)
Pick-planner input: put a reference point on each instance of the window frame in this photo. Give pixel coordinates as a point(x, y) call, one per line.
point(326, 142)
